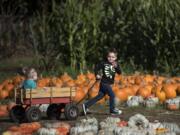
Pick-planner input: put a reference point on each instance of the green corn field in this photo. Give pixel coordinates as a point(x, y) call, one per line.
point(78, 33)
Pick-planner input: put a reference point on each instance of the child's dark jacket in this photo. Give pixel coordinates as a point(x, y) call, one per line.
point(108, 72)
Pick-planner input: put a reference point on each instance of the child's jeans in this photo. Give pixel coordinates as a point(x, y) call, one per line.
point(104, 89)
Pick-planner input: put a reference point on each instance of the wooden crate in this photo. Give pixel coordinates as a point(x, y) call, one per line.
point(49, 92)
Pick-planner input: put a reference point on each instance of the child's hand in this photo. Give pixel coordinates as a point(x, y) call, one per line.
point(98, 77)
point(114, 64)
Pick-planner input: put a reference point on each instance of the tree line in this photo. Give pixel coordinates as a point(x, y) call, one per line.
point(77, 33)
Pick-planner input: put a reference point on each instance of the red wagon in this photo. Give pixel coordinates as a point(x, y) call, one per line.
point(29, 101)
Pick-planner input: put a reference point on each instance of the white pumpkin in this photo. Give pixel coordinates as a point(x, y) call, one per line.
point(109, 122)
point(106, 132)
point(47, 131)
point(150, 103)
point(134, 101)
point(129, 131)
point(173, 127)
point(89, 125)
point(43, 107)
point(138, 121)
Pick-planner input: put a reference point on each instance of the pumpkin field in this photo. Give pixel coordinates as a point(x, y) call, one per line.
point(156, 97)
point(64, 40)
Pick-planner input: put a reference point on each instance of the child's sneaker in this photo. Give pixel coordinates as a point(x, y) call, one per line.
point(84, 109)
point(116, 112)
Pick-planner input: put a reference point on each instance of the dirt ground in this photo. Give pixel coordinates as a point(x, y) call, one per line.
point(101, 112)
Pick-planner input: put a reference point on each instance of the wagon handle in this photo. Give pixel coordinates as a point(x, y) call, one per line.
point(70, 94)
point(51, 95)
point(15, 94)
point(21, 96)
point(87, 92)
point(30, 96)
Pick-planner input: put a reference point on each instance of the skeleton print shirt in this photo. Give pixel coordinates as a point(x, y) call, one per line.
point(107, 71)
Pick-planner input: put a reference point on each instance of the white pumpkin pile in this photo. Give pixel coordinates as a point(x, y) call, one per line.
point(87, 126)
point(172, 127)
point(137, 125)
point(134, 101)
point(50, 128)
point(108, 125)
point(151, 102)
point(47, 131)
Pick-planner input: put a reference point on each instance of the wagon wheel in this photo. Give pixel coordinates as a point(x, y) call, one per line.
point(17, 113)
point(33, 114)
point(54, 111)
point(71, 111)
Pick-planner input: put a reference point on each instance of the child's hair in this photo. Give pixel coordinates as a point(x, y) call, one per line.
point(29, 72)
point(112, 50)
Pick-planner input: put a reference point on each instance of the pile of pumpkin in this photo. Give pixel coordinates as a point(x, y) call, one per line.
point(56, 128)
point(5, 108)
point(137, 124)
point(124, 86)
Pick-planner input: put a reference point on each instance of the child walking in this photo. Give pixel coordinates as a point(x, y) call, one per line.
point(109, 68)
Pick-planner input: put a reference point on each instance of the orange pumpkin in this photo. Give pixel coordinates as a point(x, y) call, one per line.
point(3, 113)
point(65, 77)
point(78, 82)
point(90, 76)
point(3, 94)
point(172, 107)
point(156, 88)
point(93, 94)
point(144, 92)
point(135, 88)
point(138, 80)
point(79, 94)
point(56, 82)
point(36, 125)
point(178, 89)
point(121, 95)
point(149, 87)
point(62, 130)
point(148, 78)
point(10, 105)
point(43, 82)
point(129, 91)
point(9, 87)
point(3, 108)
point(161, 95)
point(1, 86)
point(17, 79)
point(14, 128)
point(81, 77)
point(170, 90)
point(6, 82)
point(160, 79)
point(117, 78)
point(131, 79)
point(70, 83)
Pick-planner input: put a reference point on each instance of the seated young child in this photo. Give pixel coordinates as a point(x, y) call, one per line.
point(31, 77)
